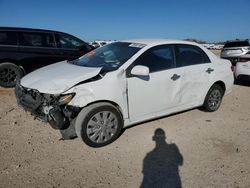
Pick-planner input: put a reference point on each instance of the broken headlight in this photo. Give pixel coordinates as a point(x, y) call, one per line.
point(65, 99)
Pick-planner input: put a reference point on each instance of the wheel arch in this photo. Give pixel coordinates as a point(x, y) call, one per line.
point(215, 105)
point(13, 61)
point(8, 60)
point(106, 101)
point(221, 84)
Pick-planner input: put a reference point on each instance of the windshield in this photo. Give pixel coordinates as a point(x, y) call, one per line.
point(110, 57)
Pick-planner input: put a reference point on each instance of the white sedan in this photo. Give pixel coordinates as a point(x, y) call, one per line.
point(122, 84)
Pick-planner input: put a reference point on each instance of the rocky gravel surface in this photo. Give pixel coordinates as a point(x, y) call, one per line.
point(199, 149)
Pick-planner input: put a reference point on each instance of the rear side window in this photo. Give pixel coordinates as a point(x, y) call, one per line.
point(37, 39)
point(236, 44)
point(157, 58)
point(8, 38)
point(68, 42)
point(190, 55)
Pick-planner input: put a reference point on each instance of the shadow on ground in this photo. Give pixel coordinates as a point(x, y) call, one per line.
point(161, 165)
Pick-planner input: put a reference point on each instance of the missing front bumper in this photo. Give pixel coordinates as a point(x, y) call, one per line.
point(41, 107)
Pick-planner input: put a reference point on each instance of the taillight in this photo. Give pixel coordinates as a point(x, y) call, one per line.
point(232, 68)
point(243, 60)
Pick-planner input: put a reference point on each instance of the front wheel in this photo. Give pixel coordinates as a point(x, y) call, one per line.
point(9, 74)
point(213, 98)
point(99, 124)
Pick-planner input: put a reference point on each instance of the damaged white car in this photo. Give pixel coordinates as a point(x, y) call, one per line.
point(124, 83)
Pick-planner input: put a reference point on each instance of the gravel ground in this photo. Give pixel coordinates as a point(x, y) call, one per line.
point(199, 149)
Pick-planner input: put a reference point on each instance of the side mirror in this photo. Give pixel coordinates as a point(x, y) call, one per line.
point(140, 70)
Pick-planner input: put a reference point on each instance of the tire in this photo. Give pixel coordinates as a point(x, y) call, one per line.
point(213, 98)
point(9, 74)
point(99, 124)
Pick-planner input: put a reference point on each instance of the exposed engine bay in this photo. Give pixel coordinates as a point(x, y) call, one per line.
point(47, 107)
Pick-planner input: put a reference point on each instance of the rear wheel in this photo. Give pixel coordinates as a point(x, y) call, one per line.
point(213, 98)
point(9, 74)
point(99, 124)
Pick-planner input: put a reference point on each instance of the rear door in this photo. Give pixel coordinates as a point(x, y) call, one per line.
point(159, 92)
point(197, 72)
point(8, 45)
point(36, 49)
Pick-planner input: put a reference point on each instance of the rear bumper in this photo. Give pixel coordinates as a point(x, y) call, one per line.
point(242, 70)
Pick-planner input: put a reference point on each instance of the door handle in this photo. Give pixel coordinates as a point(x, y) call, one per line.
point(209, 70)
point(175, 77)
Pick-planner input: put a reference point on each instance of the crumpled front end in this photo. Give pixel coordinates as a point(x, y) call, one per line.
point(46, 107)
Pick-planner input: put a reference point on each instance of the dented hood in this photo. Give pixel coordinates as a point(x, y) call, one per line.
point(58, 77)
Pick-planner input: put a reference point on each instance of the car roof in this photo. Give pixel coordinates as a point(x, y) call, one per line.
point(28, 29)
point(238, 40)
point(153, 42)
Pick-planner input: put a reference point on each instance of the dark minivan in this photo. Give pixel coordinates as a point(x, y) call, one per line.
point(23, 50)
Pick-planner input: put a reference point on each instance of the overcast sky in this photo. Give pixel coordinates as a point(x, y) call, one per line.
point(211, 20)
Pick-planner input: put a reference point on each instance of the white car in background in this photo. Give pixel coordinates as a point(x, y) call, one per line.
point(242, 68)
point(124, 83)
point(218, 47)
point(99, 43)
point(208, 46)
point(234, 49)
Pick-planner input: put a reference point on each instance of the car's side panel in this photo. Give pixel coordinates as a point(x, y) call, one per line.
point(226, 76)
point(196, 81)
point(222, 73)
point(32, 58)
point(100, 91)
point(154, 94)
point(7, 52)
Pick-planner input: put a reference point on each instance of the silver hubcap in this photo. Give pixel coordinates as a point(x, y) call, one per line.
point(214, 99)
point(102, 126)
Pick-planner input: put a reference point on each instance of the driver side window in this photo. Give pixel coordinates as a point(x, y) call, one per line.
point(68, 42)
point(157, 58)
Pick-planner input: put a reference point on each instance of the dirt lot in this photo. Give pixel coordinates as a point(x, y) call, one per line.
point(201, 150)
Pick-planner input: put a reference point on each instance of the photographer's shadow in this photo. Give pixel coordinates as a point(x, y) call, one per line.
point(161, 165)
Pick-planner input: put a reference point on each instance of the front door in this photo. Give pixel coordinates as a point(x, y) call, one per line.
point(159, 92)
